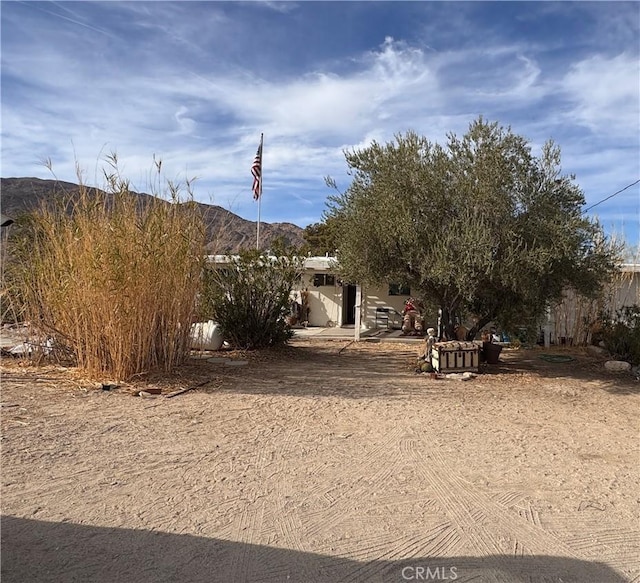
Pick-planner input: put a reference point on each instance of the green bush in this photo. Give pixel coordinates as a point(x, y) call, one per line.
point(250, 296)
point(621, 334)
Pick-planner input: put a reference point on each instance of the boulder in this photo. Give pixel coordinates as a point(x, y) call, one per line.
point(617, 365)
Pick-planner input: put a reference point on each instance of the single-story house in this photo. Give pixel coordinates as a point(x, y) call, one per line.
point(333, 302)
point(336, 303)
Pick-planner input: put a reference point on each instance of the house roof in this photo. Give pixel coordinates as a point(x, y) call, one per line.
point(631, 267)
point(320, 263)
point(312, 263)
point(326, 263)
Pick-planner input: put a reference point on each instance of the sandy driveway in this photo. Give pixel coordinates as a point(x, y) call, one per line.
point(315, 464)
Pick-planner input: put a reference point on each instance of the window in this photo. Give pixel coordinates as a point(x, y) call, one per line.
point(399, 289)
point(324, 279)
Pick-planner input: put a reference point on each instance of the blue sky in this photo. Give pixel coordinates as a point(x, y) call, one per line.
point(195, 83)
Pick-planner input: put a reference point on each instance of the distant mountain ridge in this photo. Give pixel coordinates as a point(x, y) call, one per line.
point(226, 231)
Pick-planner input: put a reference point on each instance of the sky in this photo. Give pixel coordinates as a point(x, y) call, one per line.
point(195, 84)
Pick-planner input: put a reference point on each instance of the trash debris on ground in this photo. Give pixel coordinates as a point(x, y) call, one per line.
point(460, 376)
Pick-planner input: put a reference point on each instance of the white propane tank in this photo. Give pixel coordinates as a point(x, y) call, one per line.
point(206, 336)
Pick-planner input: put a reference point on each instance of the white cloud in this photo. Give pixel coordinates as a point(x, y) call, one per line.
point(173, 93)
point(605, 93)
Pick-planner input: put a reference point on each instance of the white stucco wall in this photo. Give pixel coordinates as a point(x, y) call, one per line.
point(325, 302)
point(378, 297)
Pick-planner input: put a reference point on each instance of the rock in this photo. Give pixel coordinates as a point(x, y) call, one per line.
point(465, 376)
point(426, 367)
point(617, 365)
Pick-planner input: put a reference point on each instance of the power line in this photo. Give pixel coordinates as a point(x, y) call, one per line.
point(612, 195)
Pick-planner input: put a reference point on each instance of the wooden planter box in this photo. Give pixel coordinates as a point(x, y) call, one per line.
point(455, 357)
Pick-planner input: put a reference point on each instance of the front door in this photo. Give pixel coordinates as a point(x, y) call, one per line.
point(348, 304)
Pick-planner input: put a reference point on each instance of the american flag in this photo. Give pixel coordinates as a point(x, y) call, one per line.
point(256, 171)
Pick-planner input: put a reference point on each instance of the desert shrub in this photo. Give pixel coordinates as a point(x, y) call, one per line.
point(249, 297)
point(111, 277)
point(621, 334)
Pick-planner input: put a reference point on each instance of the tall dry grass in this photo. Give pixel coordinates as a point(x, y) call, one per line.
point(113, 279)
point(577, 318)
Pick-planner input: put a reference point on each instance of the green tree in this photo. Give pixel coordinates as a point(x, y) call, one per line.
point(250, 297)
point(320, 238)
point(479, 227)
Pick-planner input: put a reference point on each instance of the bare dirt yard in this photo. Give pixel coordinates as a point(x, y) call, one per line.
point(324, 461)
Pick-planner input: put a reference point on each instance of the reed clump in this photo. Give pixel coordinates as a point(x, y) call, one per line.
point(111, 277)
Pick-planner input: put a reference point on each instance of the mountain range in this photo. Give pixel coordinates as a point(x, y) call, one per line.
point(226, 231)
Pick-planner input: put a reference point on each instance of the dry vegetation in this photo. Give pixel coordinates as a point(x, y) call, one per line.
point(113, 281)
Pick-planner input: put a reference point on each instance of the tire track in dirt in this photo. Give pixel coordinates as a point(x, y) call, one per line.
point(287, 521)
point(332, 514)
point(109, 473)
point(620, 548)
point(244, 530)
point(337, 508)
point(449, 495)
point(528, 513)
point(508, 499)
point(498, 524)
point(404, 550)
point(249, 525)
point(391, 500)
point(606, 541)
point(356, 483)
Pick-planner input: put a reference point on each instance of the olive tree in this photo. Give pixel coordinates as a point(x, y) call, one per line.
point(319, 238)
point(479, 226)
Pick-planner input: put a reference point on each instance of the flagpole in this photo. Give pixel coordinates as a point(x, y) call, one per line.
point(260, 193)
